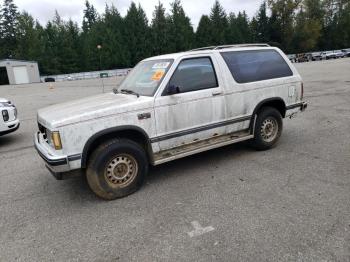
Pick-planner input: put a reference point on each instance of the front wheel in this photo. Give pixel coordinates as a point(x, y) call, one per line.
point(268, 128)
point(117, 168)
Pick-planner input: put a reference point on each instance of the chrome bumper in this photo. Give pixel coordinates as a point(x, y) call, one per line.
point(55, 163)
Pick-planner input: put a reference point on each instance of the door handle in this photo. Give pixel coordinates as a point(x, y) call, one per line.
point(216, 93)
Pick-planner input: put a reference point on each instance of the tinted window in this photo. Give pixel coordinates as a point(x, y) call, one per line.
point(194, 74)
point(256, 65)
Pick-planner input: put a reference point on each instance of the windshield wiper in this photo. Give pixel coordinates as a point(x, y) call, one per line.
point(127, 91)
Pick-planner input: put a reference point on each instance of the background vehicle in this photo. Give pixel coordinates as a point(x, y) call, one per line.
point(169, 107)
point(328, 55)
point(338, 54)
point(346, 52)
point(49, 79)
point(292, 58)
point(316, 56)
point(8, 121)
point(300, 58)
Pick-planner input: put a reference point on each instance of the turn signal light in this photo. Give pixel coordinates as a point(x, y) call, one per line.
point(302, 91)
point(56, 140)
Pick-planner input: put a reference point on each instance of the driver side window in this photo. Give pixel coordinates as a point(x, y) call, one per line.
point(194, 74)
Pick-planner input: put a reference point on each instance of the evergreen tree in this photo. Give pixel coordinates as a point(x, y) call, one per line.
point(242, 23)
point(160, 30)
point(137, 34)
point(113, 41)
point(69, 53)
point(182, 35)
point(90, 16)
point(219, 24)
point(234, 35)
point(262, 25)
point(283, 12)
point(28, 38)
point(203, 32)
point(8, 27)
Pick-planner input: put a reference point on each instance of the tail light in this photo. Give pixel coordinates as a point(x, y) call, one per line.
point(302, 91)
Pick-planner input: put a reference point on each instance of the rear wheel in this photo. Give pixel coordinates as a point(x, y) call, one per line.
point(117, 168)
point(268, 128)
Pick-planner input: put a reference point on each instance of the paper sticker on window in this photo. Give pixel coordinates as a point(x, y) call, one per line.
point(163, 65)
point(158, 75)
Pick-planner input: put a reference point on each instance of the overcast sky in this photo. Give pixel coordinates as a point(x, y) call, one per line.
point(43, 10)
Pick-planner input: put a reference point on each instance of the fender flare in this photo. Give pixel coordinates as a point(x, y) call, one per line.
point(93, 138)
point(260, 105)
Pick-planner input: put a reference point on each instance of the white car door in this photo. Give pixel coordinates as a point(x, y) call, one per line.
point(197, 111)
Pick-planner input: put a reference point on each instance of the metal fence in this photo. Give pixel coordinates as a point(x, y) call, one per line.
point(87, 75)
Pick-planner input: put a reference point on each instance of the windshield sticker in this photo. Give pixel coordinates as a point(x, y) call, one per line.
point(158, 75)
point(163, 65)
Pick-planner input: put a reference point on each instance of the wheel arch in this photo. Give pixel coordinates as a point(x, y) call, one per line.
point(275, 102)
point(134, 133)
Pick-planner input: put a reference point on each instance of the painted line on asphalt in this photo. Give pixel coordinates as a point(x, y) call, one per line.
point(199, 230)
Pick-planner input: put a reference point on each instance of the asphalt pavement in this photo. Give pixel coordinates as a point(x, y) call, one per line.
point(291, 203)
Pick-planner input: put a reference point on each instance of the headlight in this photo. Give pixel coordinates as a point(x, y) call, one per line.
point(56, 140)
point(5, 115)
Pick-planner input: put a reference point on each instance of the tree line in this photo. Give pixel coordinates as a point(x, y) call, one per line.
point(109, 40)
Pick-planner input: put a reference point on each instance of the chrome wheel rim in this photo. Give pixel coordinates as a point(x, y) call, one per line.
point(121, 170)
point(269, 129)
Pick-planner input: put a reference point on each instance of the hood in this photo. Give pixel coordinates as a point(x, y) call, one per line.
point(91, 108)
point(3, 100)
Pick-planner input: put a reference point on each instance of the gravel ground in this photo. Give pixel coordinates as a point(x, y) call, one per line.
point(291, 203)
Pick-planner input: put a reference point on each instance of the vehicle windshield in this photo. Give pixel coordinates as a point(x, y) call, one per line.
point(146, 77)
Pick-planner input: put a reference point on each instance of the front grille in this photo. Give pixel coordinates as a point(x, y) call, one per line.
point(42, 130)
point(5, 115)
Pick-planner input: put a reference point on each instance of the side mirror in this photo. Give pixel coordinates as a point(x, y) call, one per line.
point(172, 89)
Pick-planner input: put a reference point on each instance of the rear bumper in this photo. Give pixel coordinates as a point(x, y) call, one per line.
point(301, 106)
point(293, 109)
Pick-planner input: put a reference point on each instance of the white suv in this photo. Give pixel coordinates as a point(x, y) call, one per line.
point(8, 119)
point(169, 107)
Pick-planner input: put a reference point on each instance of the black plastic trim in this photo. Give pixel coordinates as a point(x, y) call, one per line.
point(74, 157)
point(199, 129)
point(106, 132)
point(56, 162)
point(261, 104)
point(294, 106)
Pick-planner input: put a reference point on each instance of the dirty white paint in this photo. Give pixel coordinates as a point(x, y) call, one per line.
point(199, 230)
point(79, 120)
point(13, 121)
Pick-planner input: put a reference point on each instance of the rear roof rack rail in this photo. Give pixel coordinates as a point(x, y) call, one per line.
point(204, 48)
point(229, 46)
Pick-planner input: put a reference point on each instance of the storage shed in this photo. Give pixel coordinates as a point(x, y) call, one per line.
point(15, 72)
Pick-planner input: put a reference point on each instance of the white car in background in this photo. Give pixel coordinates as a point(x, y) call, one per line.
point(8, 119)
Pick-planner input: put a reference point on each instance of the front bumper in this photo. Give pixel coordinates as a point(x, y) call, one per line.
point(9, 127)
point(55, 163)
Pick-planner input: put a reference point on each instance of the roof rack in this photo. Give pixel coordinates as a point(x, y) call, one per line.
point(204, 48)
point(229, 46)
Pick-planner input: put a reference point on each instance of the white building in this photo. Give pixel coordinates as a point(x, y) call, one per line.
point(15, 72)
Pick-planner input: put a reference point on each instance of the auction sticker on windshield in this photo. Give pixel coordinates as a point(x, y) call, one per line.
point(162, 65)
point(158, 75)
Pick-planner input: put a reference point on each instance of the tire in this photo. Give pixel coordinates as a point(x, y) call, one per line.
point(268, 128)
point(117, 168)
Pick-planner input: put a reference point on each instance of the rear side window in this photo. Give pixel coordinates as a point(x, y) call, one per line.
point(256, 65)
point(194, 74)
